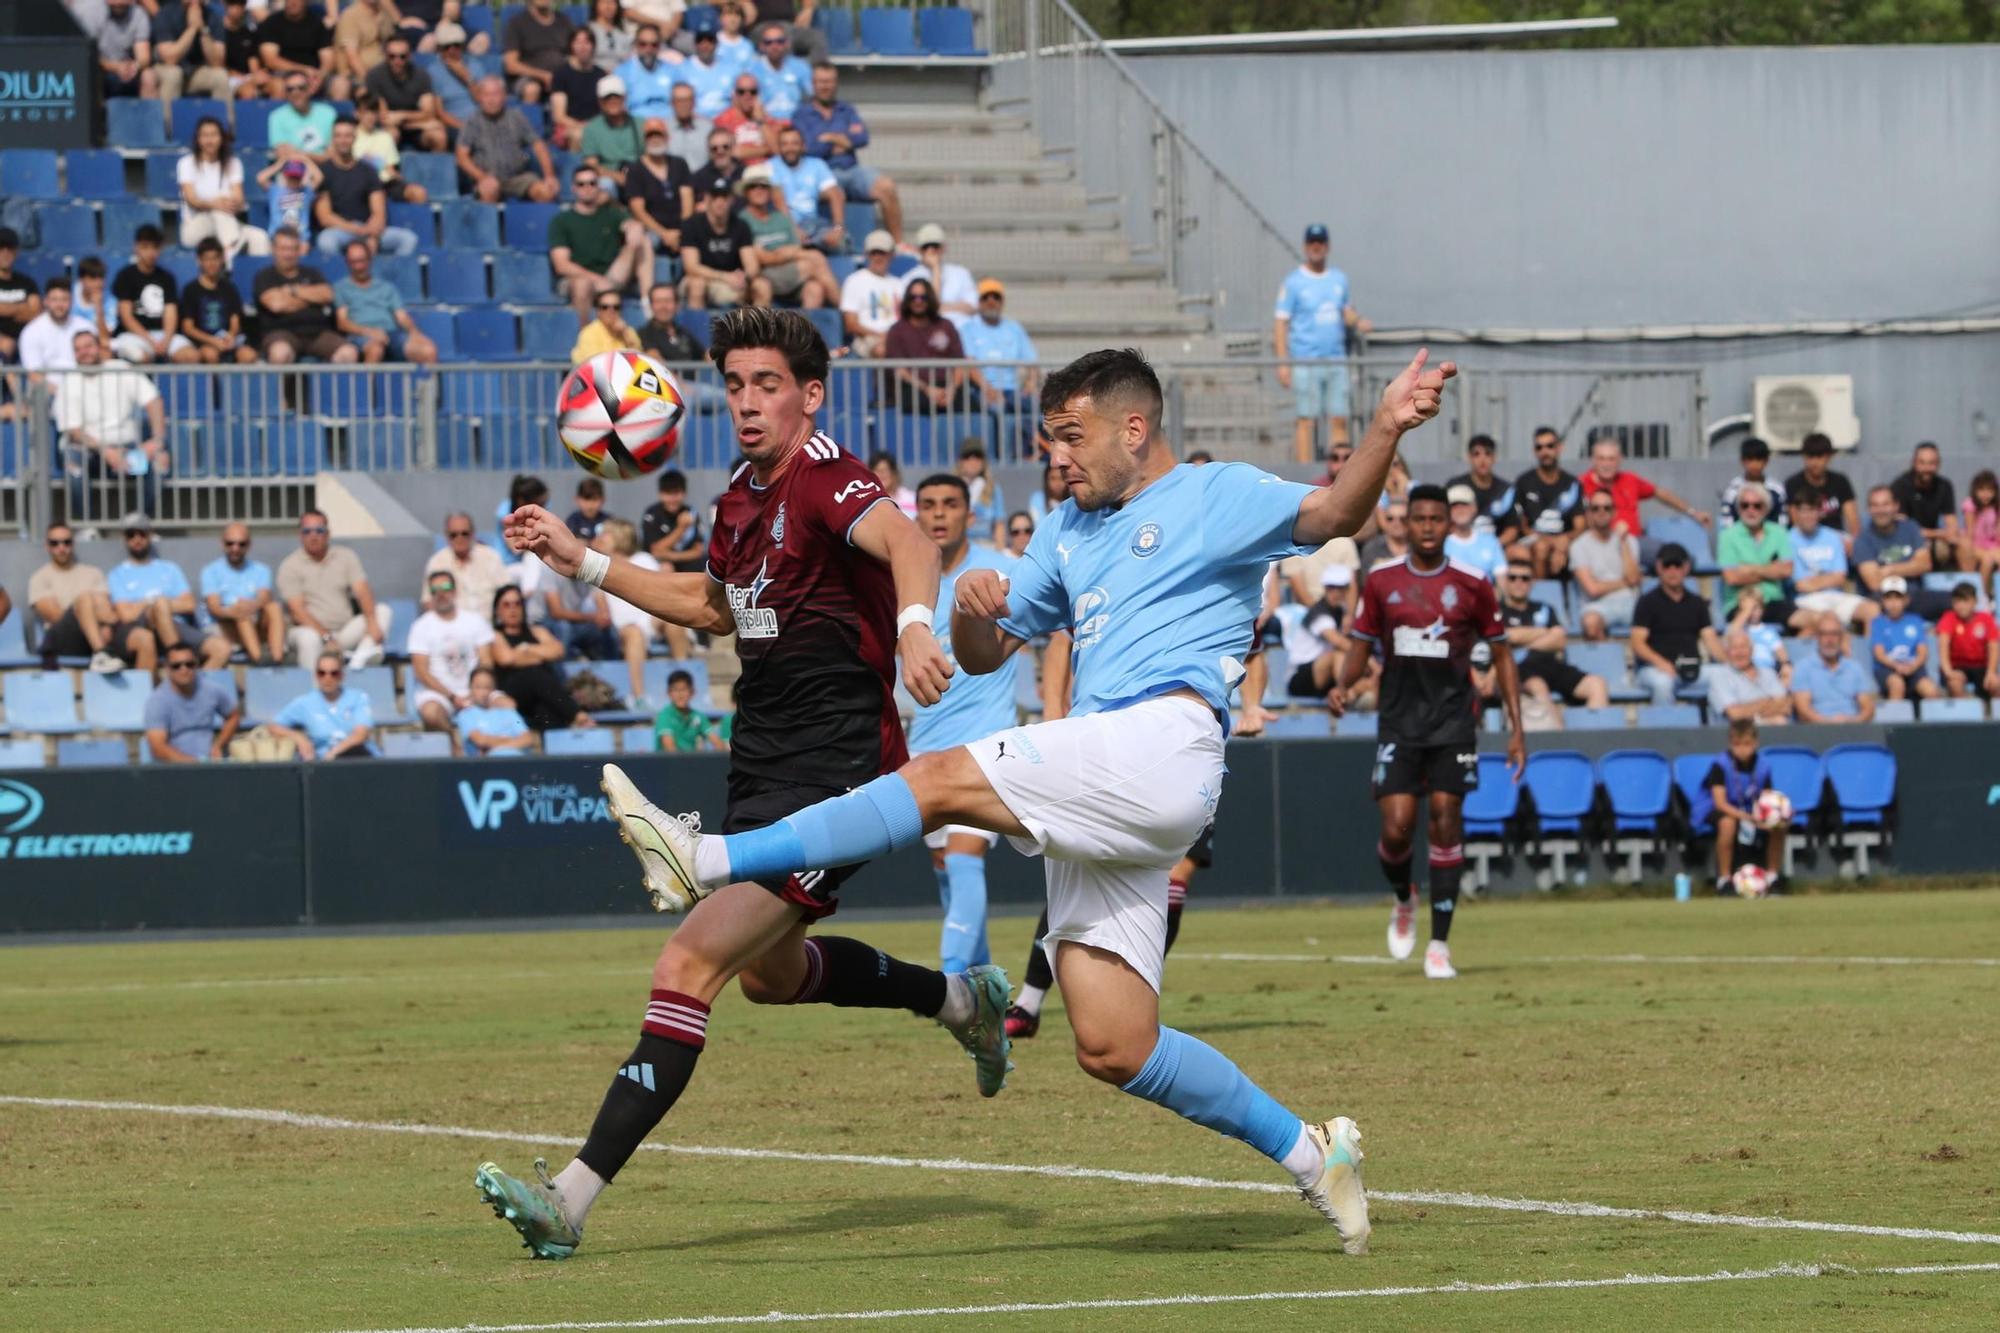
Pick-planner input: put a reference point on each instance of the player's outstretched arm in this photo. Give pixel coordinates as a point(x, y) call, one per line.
point(976, 636)
point(695, 601)
point(1339, 510)
point(886, 533)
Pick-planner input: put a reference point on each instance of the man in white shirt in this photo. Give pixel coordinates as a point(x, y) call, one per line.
point(48, 342)
point(446, 647)
point(476, 568)
point(958, 299)
point(871, 299)
point(98, 416)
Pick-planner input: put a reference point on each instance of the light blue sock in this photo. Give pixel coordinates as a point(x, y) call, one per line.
point(1193, 1079)
point(867, 822)
point(963, 941)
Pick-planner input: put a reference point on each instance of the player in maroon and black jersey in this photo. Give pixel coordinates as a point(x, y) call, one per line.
point(808, 566)
point(1424, 613)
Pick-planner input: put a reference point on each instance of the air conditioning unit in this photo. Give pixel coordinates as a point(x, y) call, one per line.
point(1790, 407)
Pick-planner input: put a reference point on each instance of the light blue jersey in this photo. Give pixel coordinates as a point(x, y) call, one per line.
point(1315, 307)
point(1162, 592)
point(975, 706)
point(1481, 551)
point(504, 723)
point(802, 185)
point(784, 86)
point(1002, 340)
point(327, 724)
point(221, 579)
point(711, 84)
point(139, 582)
point(1825, 552)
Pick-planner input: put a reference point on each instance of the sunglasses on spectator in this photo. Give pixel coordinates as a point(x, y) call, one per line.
point(1518, 578)
point(295, 87)
point(607, 305)
point(60, 541)
point(585, 182)
point(1601, 509)
point(1751, 505)
point(1020, 532)
point(181, 664)
point(458, 532)
point(774, 41)
point(317, 531)
point(235, 546)
point(647, 46)
point(334, 672)
point(718, 148)
point(746, 92)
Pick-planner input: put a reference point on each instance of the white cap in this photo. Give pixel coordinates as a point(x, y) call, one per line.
point(929, 234)
point(1896, 583)
point(1461, 494)
point(1336, 576)
point(879, 240)
point(610, 86)
point(448, 34)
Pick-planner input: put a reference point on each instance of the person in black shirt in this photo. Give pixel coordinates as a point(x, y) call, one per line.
point(573, 91)
point(719, 173)
point(232, 51)
point(213, 310)
point(719, 256)
point(1837, 507)
point(20, 298)
point(670, 531)
point(658, 190)
point(1488, 491)
point(663, 336)
point(353, 204)
point(1547, 505)
point(409, 98)
point(1672, 629)
point(296, 304)
point(149, 317)
point(1536, 634)
point(295, 41)
point(1927, 499)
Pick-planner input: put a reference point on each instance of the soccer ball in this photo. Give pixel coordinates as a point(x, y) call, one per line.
point(1751, 881)
point(620, 415)
point(1773, 809)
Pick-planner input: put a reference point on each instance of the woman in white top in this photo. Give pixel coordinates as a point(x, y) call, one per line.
point(614, 33)
point(211, 183)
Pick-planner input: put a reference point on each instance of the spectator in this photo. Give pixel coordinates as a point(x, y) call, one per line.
point(1314, 314)
point(175, 47)
point(1755, 456)
point(293, 184)
point(98, 417)
point(189, 717)
point(678, 729)
point(1487, 489)
point(298, 311)
point(1927, 499)
point(446, 646)
point(361, 36)
point(1466, 543)
point(458, 76)
point(379, 147)
point(1538, 639)
point(687, 127)
point(72, 606)
point(649, 74)
point(1671, 632)
point(297, 46)
point(332, 721)
point(670, 530)
point(921, 335)
point(1836, 493)
point(92, 301)
point(636, 630)
point(573, 102)
point(409, 100)
point(795, 273)
point(588, 518)
point(871, 298)
point(702, 92)
point(533, 46)
point(232, 63)
point(718, 174)
point(580, 618)
point(785, 80)
point(210, 178)
point(1628, 490)
point(1969, 646)
point(663, 335)
point(1605, 567)
point(1392, 538)
point(1735, 780)
point(612, 33)
point(752, 129)
point(489, 721)
point(1892, 545)
point(719, 258)
point(732, 46)
point(997, 343)
point(1739, 688)
point(1830, 686)
point(20, 299)
point(1979, 528)
point(612, 138)
point(48, 343)
point(1756, 552)
point(658, 192)
point(1548, 508)
point(835, 131)
point(153, 592)
point(1900, 644)
point(302, 127)
point(236, 592)
point(1819, 561)
point(958, 299)
point(123, 33)
point(607, 333)
point(353, 204)
point(803, 184)
point(500, 152)
point(1020, 531)
point(477, 571)
point(524, 658)
point(1767, 639)
point(149, 315)
point(883, 464)
point(327, 595)
point(989, 506)
point(1316, 639)
point(596, 248)
point(1396, 486)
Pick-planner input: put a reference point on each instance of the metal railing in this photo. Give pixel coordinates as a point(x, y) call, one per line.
point(1177, 206)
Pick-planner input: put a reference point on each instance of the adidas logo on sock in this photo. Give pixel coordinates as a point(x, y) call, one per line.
point(640, 1074)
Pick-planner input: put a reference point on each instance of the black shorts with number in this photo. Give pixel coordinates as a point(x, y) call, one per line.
point(1412, 770)
point(760, 802)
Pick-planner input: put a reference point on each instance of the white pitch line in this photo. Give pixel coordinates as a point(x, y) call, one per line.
point(1615, 959)
point(1447, 1199)
point(1245, 1298)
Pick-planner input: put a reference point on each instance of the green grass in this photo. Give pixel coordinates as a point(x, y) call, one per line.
point(1823, 1092)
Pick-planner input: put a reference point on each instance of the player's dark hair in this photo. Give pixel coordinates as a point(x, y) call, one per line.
point(680, 678)
point(786, 332)
point(1742, 726)
point(946, 479)
point(1482, 440)
point(673, 479)
point(1752, 447)
point(1109, 374)
point(1427, 491)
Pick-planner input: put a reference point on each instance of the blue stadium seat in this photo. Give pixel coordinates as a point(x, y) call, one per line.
point(43, 265)
point(1564, 787)
point(13, 635)
point(20, 752)
point(478, 18)
point(417, 744)
point(535, 114)
point(1680, 528)
point(187, 112)
point(403, 614)
point(243, 271)
point(379, 684)
point(438, 327)
point(917, 441)
point(1864, 790)
point(835, 21)
point(656, 670)
point(468, 224)
point(524, 280)
point(889, 32)
point(253, 129)
point(486, 335)
point(116, 701)
point(182, 264)
point(547, 335)
point(406, 272)
point(69, 229)
point(947, 31)
point(580, 741)
point(526, 226)
point(700, 323)
point(40, 701)
point(902, 265)
point(76, 752)
point(1639, 787)
point(134, 122)
point(827, 321)
point(436, 172)
point(1801, 776)
point(266, 690)
point(1360, 725)
point(121, 219)
point(419, 219)
point(698, 17)
point(1951, 710)
point(224, 679)
point(635, 739)
point(458, 277)
point(473, 393)
point(292, 446)
point(1489, 809)
point(1669, 715)
point(862, 218)
point(1690, 774)
point(31, 172)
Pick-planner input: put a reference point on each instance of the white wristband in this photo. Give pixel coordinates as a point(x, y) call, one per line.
point(914, 614)
point(596, 565)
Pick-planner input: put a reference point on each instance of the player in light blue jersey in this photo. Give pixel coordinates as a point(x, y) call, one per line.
point(1314, 316)
point(1156, 571)
point(973, 708)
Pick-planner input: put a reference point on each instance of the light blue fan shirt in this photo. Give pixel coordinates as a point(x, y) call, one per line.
point(1481, 551)
point(974, 707)
point(142, 580)
point(1315, 307)
point(1162, 592)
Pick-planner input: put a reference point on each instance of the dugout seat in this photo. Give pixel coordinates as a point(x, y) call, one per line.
point(1489, 810)
point(1564, 787)
point(1864, 789)
point(1639, 787)
point(1801, 776)
point(1689, 772)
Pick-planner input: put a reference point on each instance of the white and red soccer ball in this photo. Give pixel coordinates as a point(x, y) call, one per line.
point(1773, 809)
point(1751, 881)
point(620, 415)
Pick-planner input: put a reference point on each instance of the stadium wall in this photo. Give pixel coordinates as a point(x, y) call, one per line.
point(407, 842)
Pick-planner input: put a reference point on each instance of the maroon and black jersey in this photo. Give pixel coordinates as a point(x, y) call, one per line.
point(1425, 624)
point(815, 623)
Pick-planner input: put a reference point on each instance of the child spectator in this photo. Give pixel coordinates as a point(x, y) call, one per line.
point(679, 729)
point(588, 516)
point(1735, 780)
point(1969, 646)
point(1755, 455)
point(293, 185)
point(490, 722)
point(1979, 530)
point(1896, 641)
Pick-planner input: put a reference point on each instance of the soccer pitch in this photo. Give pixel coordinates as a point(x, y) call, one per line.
point(1623, 1114)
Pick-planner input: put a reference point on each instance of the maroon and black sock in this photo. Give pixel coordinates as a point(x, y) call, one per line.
point(1397, 872)
point(649, 1082)
point(1447, 867)
point(852, 975)
point(1039, 974)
